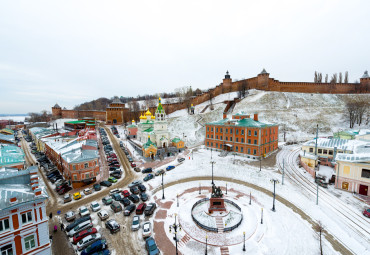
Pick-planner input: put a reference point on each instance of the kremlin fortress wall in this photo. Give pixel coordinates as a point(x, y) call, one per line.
point(117, 113)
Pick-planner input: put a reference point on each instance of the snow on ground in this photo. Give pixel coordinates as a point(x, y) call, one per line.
point(326, 171)
point(60, 122)
point(200, 166)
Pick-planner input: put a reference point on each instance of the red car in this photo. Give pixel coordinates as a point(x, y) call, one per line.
point(83, 234)
point(366, 212)
point(133, 165)
point(126, 193)
point(112, 156)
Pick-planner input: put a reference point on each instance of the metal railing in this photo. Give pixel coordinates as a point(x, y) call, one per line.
point(235, 226)
point(196, 221)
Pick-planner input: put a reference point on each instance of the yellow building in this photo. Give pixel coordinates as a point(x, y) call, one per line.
point(149, 149)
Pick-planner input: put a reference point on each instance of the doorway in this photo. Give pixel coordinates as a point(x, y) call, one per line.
point(345, 185)
point(363, 190)
point(164, 145)
point(114, 121)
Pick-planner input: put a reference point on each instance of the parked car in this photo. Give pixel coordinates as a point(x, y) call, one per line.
point(117, 196)
point(106, 183)
point(116, 207)
point(129, 209)
point(76, 222)
point(140, 209)
point(97, 187)
point(147, 229)
point(116, 175)
point(144, 197)
point(170, 168)
point(80, 227)
point(113, 226)
point(103, 215)
point(134, 198)
point(147, 170)
point(137, 169)
point(87, 241)
point(96, 246)
point(67, 198)
point(180, 160)
point(95, 206)
point(148, 177)
point(133, 165)
point(135, 190)
point(107, 200)
point(149, 210)
point(87, 191)
point(159, 172)
point(125, 202)
point(130, 159)
point(112, 179)
point(125, 193)
point(135, 223)
point(366, 212)
point(76, 196)
point(151, 246)
point(78, 237)
point(135, 183)
point(83, 211)
point(113, 168)
point(70, 216)
point(142, 187)
point(64, 190)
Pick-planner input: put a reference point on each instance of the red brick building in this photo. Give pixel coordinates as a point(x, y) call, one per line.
point(243, 135)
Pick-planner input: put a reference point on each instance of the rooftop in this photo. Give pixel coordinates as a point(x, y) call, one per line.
point(246, 122)
point(11, 155)
point(7, 138)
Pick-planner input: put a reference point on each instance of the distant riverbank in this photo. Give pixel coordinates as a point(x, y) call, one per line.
point(14, 117)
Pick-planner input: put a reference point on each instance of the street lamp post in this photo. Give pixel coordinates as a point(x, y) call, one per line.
point(175, 226)
point(199, 189)
point(206, 244)
point(212, 162)
point(250, 197)
point(243, 241)
point(261, 215)
point(211, 153)
point(162, 185)
point(226, 188)
point(177, 200)
point(273, 203)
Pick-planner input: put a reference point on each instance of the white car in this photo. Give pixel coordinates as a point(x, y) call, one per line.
point(95, 206)
point(113, 191)
point(82, 226)
point(135, 223)
point(103, 215)
point(70, 216)
point(87, 191)
point(83, 211)
point(88, 240)
point(147, 229)
point(135, 183)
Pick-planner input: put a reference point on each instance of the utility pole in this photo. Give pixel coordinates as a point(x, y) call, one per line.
point(282, 181)
point(199, 189)
point(250, 197)
point(317, 193)
point(261, 215)
point(162, 185)
point(273, 203)
point(212, 162)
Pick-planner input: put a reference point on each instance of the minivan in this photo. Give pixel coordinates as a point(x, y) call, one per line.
point(76, 222)
point(82, 226)
point(140, 209)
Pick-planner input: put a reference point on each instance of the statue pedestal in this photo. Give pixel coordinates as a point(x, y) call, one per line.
point(216, 204)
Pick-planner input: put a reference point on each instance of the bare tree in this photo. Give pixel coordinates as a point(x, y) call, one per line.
point(326, 78)
point(346, 77)
point(319, 77)
point(319, 228)
point(340, 77)
point(357, 110)
point(242, 89)
point(315, 79)
point(334, 78)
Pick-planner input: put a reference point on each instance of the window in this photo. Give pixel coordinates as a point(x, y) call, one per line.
point(207, 128)
point(226, 130)
point(4, 225)
point(86, 165)
point(216, 145)
point(237, 131)
point(75, 177)
point(212, 136)
point(207, 136)
point(207, 143)
point(236, 148)
point(74, 167)
point(242, 140)
point(216, 136)
point(231, 139)
point(221, 130)
point(330, 152)
point(220, 137)
point(311, 149)
point(241, 149)
point(254, 152)
point(249, 132)
point(87, 175)
point(325, 152)
point(231, 130)
point(249, 151)
point(216, 129)
point(249, 140)
point(227, 138)
point(255, 133)
point(212, 129)
point(255, 141)
point(365, 173)
point(7, 250)
point(211, 144)
point(26, 217)
point(29, 242)
point(237, 139)
point(242, 132)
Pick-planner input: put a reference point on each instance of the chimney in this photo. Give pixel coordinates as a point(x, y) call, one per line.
point(224, 115)
point(13, 200)
point(255, 117)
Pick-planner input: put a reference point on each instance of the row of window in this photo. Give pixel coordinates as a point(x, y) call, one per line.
point(86, 165)
point(230, 130)
point(241, 148)
point(322, 151)
point(25, 219)
point(29, 244)
point(87, 176)
point(237, 139)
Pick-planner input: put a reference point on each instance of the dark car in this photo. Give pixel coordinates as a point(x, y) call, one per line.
point(130, 159)
point(113, 226)
point(95, 247)
point(135, 190)
point(116, 175)
point(180, 160)
point(97, 187)
point(142, 187)
point(61, 186)
point(170, 168)
point(366, 212)
point(149, 210)
point(134, 198)
point(117, 196)
point(125, 202)
point(116, 207)
point(129, 209)
point(113, 168)
point(115, 162)
point(148, 177)
point(144, 197)
point(151, 246)
point(64, 190)
point(106, 183)
point(147, 170)
point(76, 222)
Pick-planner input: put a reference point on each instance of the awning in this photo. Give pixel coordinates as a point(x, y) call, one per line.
point(228, 145)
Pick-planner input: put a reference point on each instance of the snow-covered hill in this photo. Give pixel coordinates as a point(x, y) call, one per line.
point(299, 112)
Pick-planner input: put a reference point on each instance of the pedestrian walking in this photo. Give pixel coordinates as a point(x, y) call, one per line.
point(62, 227)
point(55, 228)
point(51, 215)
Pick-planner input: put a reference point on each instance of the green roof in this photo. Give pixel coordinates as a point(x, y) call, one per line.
point(176, 140)
point(148, 130)
point(75, 122)
point(148, 144)
point(159, 108)
point(132, 126)
point(246, 122)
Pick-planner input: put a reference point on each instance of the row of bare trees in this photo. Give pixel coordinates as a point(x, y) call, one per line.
point(358, 111)
point(43, 116)
point(335, 78)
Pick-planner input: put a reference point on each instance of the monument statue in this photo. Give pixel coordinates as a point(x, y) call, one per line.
point(216, 191)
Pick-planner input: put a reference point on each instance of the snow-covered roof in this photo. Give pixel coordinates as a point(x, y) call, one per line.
point(308, 155)
point(246, 122)
point(7, 138)
point(361, 153)
point(366, 75)
point(10, 155)
point(341, 144)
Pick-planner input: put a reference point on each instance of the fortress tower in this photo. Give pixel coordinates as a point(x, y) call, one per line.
point(56, 111)
point(365, 83)
point(263, 80)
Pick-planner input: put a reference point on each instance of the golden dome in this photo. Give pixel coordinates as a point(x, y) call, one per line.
point(142, 117)
point(148, 113)
point(153, 117)
point(133, 120)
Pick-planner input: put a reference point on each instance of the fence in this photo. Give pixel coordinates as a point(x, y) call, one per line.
point(196, 221)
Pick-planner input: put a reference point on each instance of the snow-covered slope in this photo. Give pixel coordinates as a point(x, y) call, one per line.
point(299, 112)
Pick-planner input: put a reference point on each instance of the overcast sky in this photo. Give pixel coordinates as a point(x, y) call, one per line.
point(70, 52)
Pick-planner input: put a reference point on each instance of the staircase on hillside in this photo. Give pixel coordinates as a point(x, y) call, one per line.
point(220, 224)
point(223, 154)
point(224, 250)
